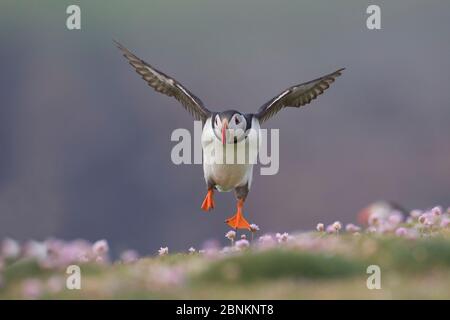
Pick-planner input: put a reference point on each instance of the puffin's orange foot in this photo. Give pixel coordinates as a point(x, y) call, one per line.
point(238, 221)
point(208, 203)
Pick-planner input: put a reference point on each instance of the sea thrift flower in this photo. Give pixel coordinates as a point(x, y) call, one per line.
point(231, 235)
point(352, 228)
point(84, 258)
point(10, 249)
point(330, 229)
point(64, 253)
point(243, 236)
point(429, 222)
point(401, 232)
point(371, 229)
point(163, 251)
point(191, 250)
point(166, 275)
point(428, 219)
point(242, 244)
point(31, 289)
point(100, 259)
point(100, 247)
point(226, 250)
point(395, 218)
point(254, 227)
point(282, 237)
point(437, 211)
point(35, 250)
point(211, 248)
point(415, 213)
point(266, 240)
point(337, 226)
point(423, 218)
point(129, 256)
point(374, 219)
point(55, 284)
point(320, 227)
point(445, 222)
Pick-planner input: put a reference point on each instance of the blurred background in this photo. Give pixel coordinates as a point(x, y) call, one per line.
point(85, 143)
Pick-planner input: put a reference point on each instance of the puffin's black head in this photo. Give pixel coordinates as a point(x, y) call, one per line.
point(231, 126)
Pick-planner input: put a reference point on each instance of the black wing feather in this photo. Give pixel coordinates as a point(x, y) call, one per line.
point(297, 96)
point(164, 84)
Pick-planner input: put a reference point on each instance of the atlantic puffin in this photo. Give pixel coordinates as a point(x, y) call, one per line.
point(230, 127)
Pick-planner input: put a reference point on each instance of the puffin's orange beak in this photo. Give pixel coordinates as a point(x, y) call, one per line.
point(224, 131)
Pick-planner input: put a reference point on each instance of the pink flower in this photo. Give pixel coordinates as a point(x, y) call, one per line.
point(330, 229)
point(445, 222)
point(129, 256)
point(55, 284)
point(337, 226)
point(254, 227)
point(395, 218)
point(10, 249)
point(231, 235)
point(352, 228)
point(100, 247)
point(401, 232)
point(374, 219)
point(423, 218)
point(211, 247)
point(242, 244)
point(166, 275)
point(437, 211)
point(320, 227)
point(31, 288)
point(226, 250)
point(428, 219)
point(415, 213)
point(282, 237)
point(36, 250)
point(266, 240)
point(371, 229)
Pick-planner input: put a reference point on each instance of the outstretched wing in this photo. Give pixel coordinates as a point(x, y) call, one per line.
point(164, 84)
point(297, 96)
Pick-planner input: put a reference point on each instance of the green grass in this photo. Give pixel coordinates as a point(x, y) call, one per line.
point(417, 268)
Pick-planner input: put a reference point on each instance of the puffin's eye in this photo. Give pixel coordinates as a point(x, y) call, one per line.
point(236, 119)
point(217, 120)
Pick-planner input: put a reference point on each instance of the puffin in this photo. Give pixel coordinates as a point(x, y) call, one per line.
point(231, 129)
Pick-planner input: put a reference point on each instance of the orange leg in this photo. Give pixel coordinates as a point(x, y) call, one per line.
point(208, 203)
point(238, 221)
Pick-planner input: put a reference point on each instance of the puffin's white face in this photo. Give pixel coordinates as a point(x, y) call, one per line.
point(230, 131)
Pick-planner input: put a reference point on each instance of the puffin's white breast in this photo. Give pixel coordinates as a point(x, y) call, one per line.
point(228, 176)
